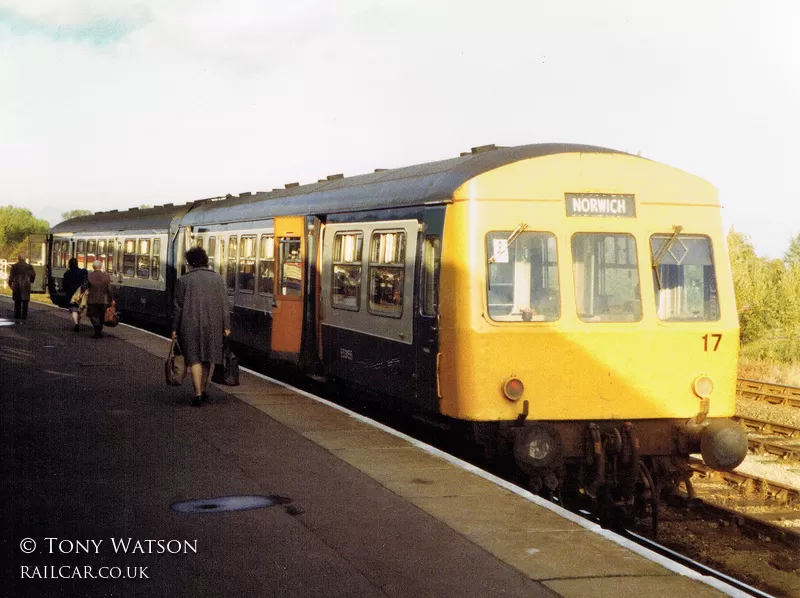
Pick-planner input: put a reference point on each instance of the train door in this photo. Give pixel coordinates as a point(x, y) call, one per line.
point(287, 314)
point(427, 317)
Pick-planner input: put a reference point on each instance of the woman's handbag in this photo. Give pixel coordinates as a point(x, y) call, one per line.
point(227, 372)
point(111, 318)
point(175, 365)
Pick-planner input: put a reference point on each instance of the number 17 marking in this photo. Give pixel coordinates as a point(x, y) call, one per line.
point(718, 338)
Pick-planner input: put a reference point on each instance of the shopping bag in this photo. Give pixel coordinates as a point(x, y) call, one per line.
point(111, 317)
point(227, 372)
point(79, 298)
point(175, 365)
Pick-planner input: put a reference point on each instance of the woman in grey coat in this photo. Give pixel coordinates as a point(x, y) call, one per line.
point(201, 319)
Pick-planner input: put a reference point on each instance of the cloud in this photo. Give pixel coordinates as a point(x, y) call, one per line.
point(97, 23)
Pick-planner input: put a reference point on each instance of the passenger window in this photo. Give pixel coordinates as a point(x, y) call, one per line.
point(266, 265)
point(101, 252)
point(230, 270)
point(199, 242)
point(346, 281)
point(143, 259)
point(91, 253)
point(212, 252)
point(247, 265)
point(81, 253)
point(110, 256)
point(522, 277)
point(387, 273)
point(684, 281)
point(156, 259)
point(129, 258)
point(606, 273)
point(430, 274)
point(291, 267)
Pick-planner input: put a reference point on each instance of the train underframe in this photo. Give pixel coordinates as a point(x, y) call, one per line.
point(619, 471)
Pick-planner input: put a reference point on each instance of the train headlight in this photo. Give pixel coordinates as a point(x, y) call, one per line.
point(513, 389)
point(703, 386)
point(538, 448)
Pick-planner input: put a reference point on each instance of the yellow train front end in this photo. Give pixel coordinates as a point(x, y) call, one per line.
point(588, 316)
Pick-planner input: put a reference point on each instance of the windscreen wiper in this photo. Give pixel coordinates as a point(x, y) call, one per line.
point(662, 251)
point(511, 238)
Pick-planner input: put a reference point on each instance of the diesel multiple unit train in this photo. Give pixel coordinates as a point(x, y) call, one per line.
point(567, 306)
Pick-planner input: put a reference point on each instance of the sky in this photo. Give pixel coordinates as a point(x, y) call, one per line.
point(110, 104)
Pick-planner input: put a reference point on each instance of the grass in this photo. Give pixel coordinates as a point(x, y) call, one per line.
point(769, 370)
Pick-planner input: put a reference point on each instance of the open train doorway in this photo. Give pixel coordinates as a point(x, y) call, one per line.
point(287, 313)
point(37, 257)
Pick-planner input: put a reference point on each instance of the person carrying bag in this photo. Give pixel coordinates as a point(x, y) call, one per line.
point(175, 365)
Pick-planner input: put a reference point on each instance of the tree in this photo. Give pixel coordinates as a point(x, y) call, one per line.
point(75, 213)
point(792, 255)
point(754, 284)
point(16, 224)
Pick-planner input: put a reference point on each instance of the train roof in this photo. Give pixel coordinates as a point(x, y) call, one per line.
point(421, 184)
point(156, 218)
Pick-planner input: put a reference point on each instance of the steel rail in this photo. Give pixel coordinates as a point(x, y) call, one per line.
point(768, 428)
point(695, 566)
point(776, 394)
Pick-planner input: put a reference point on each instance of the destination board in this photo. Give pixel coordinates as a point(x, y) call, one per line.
point(604, 205)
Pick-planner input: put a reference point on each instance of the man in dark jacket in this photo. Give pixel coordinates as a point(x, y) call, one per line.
point(74, 278)
point(20, 278)
point(99, 297)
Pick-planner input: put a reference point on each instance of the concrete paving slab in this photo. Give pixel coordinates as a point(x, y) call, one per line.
point(570, 553)
point(336, 440)
point(641, 587)
point(504, 513)
point(445, 483)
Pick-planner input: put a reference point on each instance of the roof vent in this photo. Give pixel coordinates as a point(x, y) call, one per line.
point(381, 169)
point(333, 177)
point(246, 194)
point(132, 209)
point(112, 211)
point(290, 185)
point(462, 154)
point(168, 205)
point(484, 148)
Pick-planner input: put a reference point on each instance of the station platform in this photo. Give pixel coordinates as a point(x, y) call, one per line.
point(101, 463)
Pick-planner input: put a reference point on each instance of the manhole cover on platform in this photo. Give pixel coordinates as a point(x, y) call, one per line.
point(228, 503)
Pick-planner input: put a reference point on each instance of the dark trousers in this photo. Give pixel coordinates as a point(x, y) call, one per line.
point(20, 309)
point(96, 313)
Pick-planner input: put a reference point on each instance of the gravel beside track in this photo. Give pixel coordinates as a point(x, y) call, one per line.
point(788, 416)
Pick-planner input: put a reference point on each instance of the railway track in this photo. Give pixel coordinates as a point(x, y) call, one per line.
point(771, 438)
point(775, 394)
point(757, 501)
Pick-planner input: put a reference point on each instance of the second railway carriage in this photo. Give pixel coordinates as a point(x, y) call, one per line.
point(137, 248)
point(569, 305)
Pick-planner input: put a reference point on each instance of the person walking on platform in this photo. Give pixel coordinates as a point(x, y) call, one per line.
point(20, 278)
point(99, 297)
point(201, 319)
point(74, 278)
